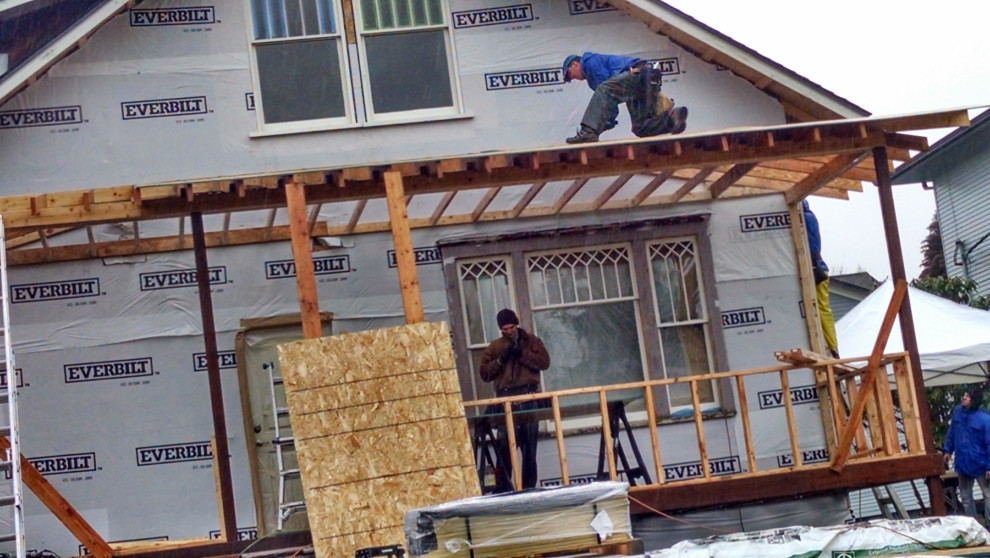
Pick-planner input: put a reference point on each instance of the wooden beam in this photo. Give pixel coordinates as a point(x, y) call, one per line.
point(657, 181)
point(352, 223)
point(228, 516)
point(612, 189)
point(817, 179)
point(486, 200)
point(702, 493)
point(58, 505)
point(571, 191)
point(725, 181)
point(405, 259)
point(869, 378)
point(698, 178)
point(527, 198)
point(302, 253)
point(157, 245)
point(270, 222)
point(441, 207)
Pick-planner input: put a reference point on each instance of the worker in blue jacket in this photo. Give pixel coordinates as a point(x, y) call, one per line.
point(820, 271)
point(969, 439)
point(617, 79)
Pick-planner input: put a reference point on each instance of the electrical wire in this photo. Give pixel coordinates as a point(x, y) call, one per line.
point(680, 520)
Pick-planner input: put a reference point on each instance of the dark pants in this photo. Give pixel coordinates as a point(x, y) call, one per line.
point(631, 89)
point(527, 436)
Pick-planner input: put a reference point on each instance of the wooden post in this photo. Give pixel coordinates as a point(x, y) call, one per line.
point(222, 454)
point(405, 259)
point(816, 338)
point(897, 273)
point(58, 505)
point(558, 430)
point(302, 253)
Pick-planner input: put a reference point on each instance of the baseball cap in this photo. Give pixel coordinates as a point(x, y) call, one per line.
point(567, 63)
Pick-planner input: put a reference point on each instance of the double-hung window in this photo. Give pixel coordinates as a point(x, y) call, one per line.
point(406, 61)
point(301, 66)
point(321, 64)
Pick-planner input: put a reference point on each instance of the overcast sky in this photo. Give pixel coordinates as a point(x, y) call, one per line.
point(889, 57)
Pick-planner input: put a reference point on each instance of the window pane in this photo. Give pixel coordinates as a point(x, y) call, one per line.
point(409, 71)
point(275, 19)
point(403, 17)
point(293, 17)
point(675, 277)
point(369, 13)
point(300, 80)
point(420, 17)
point(484, 291)
point(685, 354)
point(435, 9)
point(591, 346)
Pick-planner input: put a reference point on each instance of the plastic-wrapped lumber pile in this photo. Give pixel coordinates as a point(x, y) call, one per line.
point(882, 537)
point(522, 524)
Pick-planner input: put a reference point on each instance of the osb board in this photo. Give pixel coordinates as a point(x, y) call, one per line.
point(380, 429)
point(379, 353)
point(365, 505)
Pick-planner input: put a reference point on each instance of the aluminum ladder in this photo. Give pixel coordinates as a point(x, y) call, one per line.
point(12, 498)
point(284, 445)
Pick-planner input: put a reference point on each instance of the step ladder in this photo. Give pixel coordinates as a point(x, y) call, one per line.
point(11, 498)
point(889, 502)
point(285, 447)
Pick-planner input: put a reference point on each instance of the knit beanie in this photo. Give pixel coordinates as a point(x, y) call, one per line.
point(505, 317)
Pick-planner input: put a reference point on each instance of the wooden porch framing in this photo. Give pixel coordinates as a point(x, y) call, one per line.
point(796, 160)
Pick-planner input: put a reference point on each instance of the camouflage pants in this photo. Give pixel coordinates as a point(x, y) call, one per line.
point(628, 88)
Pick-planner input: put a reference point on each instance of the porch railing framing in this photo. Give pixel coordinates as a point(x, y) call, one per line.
point(842, 387)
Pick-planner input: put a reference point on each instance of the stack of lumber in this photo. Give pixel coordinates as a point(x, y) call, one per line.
point(379, 426)
point(528, 523)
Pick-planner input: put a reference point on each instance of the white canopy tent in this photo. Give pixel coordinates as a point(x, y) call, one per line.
point(953, 339)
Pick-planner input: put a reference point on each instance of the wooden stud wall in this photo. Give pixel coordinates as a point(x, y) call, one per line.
point(380, 430)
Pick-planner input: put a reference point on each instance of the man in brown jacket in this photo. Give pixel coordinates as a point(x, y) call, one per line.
point(514, 362)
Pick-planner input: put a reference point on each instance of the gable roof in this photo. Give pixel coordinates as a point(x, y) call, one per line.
point(925, 166)
point(48, 53)
point(803, 100)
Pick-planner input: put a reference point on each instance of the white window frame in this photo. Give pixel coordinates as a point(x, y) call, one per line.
point(356, 82)
point(704, 320)
point(485, 319)
point(347, 89)
point(418, 115)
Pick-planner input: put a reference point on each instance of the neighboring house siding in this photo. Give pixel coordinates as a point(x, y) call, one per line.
point(963, 204)
point(841, 305)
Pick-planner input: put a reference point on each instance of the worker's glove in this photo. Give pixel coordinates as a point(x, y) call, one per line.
point(503, 359)
point(515, 351)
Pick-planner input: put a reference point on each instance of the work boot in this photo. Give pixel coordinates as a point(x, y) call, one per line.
point(610, 124)
point(584, 135)
point(678, 119)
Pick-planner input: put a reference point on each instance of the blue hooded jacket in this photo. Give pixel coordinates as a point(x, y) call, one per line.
point(599, 67)
point(814, 236)
point(969, 439)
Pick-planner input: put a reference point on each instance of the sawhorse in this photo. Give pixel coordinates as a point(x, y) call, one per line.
point(618, 423)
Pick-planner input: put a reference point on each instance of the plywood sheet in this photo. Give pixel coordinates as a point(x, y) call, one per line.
point(380, 429)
